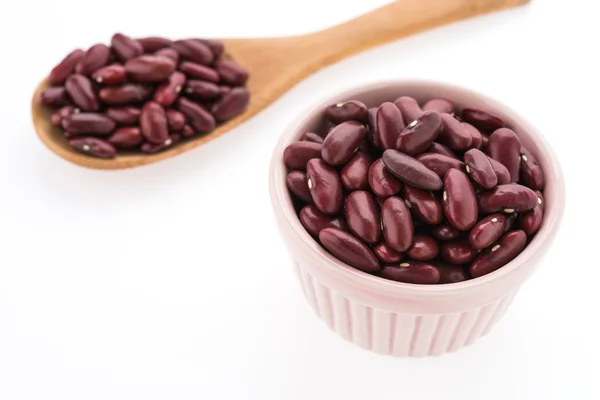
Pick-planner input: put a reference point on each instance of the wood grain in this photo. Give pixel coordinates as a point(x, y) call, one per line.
point(277, 64)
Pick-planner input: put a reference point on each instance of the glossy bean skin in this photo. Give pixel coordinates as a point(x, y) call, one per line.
point(126, 137)
point(507, 198)
point(167, 93)
point(187, 131)
point(355, 174)
point(231, 72)
point(80, 89)
point(424, 204)
point(445, 232)
point(421, 273)
point(454, 134)
point(153, 123)
point(487, 231)
point(480, 169)
point(476, 136)
point(482, 120)
point(439, 163)
point(126, 47)
point(362, 215)
point(325, 186)
point(298, 185)
point(423, 248)
point(314, 221)
point(95, 58)
point(349, 249)
point(504, 146)
point(458, 252)
point(232, 104)
point(397, 224)
point(381, 181)
point(459, 201)
point(124, 115)
point(409, 108)
point(450, 273)
point(389, 125)
point(373, 135)
point(504, 251)
point(202, 90)
point(346, 111)
point(311, 137)
point(194, 50)
point(501, 172)
point(110, 75)
point(66, 67)
point(531, 221)
point(54, 97)
point(60, 114)
point(93, 146)
point(152, 148)
point(88, 124)
point(297, 154)
point(444, 150)
point(149, 69)
point(411, 171)
point(442, 106)
point(197, 71)
point(531, 172)
point(168, 53)
point(124, 94)
point(197, 116)
point(342, 142)
point(175, 120)
point(152, 44)
point(386, 254)
point(419, 134)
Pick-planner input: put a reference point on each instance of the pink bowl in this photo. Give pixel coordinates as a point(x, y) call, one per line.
point(396, 318)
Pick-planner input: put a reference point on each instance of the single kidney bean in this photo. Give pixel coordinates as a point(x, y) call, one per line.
point(381, 181)
point(501, 172)
point(298, 185)
point(349, 249)
point(442, 106)
point(423, 248)
point(297, 154)
point(411, 171)
point(168, 53)
point(450, 273)
point(454, 134)
point(124, 94)
point(386, 254)
point(58, 115)
point(409, 108)
point(342, 142)
point(444, 150)
point(232, 104)
point(151, 148)
point(187, 131)
point(480, 169)
point(54, 97)
point(487, 231)
point(79, 88)
point(445, 232)
point(419, 134)
point(175, 120)
point(231, 72)
point(508, 198)
point(531, 172)
point(362, 215)
point(346, 111)
point(194, 50)
point(311, 137)
point(439, 163)
point(197, 116)
point(125, 47)
point(355, 174)
point(197, 71)
point(154, 43)
point(397, 224)
point(389, 125)
point(110, 75)
point(167, 93)
point(373, 135)
point(458, 252)
point(88, 124)
point(153, 122)
point(325, 186)
point(126, 138)
point(424, 204)
point(314, 221)
point(93, 146)
point(95, 58)
point(504, 251)
point(202, 90)
point(66, 67)
point(149, 69)
point(531, 221)
point(476, 136)
point(412, 272)
point(504, 146)
point(125, 115)
point(460, 203)
point(482, 120)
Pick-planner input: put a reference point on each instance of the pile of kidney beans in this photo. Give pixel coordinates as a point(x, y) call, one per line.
point(143, 94)
point(415, 193)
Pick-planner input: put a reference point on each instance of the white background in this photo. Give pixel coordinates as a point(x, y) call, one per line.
point(170, 281)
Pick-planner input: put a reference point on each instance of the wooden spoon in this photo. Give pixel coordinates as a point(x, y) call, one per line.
point(277, 64)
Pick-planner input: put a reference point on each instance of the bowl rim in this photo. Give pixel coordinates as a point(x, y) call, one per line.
point(278, 191)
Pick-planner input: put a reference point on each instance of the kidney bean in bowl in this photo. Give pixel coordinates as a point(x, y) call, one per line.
point(414, 211)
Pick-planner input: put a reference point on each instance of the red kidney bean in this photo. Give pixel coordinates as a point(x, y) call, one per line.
point(458, 252)
point(124, 94)
point(197, 116)
point(396, 223)
point(153, 122)
point(88, 124)
point(389, 125)
point(149, 69)
point(411, 171)
point(508, 198)
point(224, 90)
point(484, 142)
point(54, 97)
point(126, 138)
point(297, 154)
point(531, 172)
point(355, 174)
point(504, 251)
point(167, 93)
point(342, 142)
point(187, 131)
point(154, 43)
point(487, 231)
point(423, 248)
point(439, 163)
point(424, 204)
point(314, 221)
point(442, 106)
point(373, 135)
point(454, 134)
point(386, 254)
point(362, 215)
point(419, 134)
point(124, 115)
point(412, 272)
point(197, 71)
point(68, 135)
point(95, 58)
point(298, 185)
point(79, 88)
point(311, 137)
point(450, 273)
point(476, 136)
point(501, 172)
point(325, 186)
point(482, 120)
point(232, 104)
point(409, 108)
point(60, 114)
point(194, 50)
point(125, 47)
point(439, 148)
point(152, 148)
point(460, 203)
point(66, 67)
point(175, 120)
point(346, 111)
point(445, 232)
point(202, 90)
point(531, 221)
point(480, 169)
point(349, 249)
point(504, 146)
point(231, 72)
point(168, 53)
point(93, 147)
point(381, 181)
point(110, 75)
